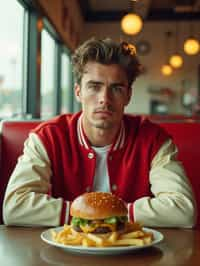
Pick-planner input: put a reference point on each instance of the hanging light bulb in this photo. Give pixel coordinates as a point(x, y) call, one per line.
point(131, 24)
point(176, 61)
point(191, 46)
point(166, 70)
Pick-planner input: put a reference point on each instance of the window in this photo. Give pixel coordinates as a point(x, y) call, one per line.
point(11, 48)
point(47, 75)
point(66, 84)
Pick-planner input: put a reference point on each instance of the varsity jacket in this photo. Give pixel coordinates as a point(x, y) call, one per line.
point(73, 162)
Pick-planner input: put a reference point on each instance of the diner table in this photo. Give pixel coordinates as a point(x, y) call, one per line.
point(23, 246)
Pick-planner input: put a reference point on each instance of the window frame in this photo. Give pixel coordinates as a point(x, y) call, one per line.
point(31, 103)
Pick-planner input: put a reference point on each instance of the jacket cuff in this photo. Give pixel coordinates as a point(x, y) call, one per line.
point(65, 215)
point(130, 212)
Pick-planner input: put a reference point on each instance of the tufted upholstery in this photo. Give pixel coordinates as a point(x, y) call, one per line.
point(185, 134)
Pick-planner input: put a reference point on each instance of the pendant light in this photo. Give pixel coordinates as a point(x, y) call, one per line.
point(131, 23)
point(176, 61)
point(166, 69)
point(191, 46)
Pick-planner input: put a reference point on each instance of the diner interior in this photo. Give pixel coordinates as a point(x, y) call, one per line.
point(36, 83)
point(167, 88)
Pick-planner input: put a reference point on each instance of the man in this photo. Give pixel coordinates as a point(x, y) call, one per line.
point(100, 149)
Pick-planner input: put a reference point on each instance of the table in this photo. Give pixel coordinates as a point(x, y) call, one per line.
point(23, 247)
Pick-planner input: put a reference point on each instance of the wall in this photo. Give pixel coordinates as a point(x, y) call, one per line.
point(66, 17)
point(153, 32)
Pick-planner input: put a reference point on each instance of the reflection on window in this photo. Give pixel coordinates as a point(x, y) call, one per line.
point(11, 48)
point(47, 75)
point(66, 84)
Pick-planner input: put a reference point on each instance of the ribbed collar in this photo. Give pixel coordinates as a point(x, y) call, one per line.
point(118, 143)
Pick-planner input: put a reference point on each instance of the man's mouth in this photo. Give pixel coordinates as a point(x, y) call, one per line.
point(104, 109)
point(103, 112)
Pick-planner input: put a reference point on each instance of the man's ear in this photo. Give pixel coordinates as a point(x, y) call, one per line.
point(77, 91)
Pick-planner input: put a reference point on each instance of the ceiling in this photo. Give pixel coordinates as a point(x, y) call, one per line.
point(157, 10)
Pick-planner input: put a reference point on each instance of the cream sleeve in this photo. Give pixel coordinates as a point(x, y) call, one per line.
point(27, 201)
point(173, 203)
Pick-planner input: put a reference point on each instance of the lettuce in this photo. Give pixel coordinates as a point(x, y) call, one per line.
point(111, 220)
point(79, 221)
point(116, 219)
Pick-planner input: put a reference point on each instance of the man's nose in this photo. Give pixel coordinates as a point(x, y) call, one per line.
point(105, 96)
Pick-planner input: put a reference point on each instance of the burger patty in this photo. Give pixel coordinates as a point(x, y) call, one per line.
point(101, 229)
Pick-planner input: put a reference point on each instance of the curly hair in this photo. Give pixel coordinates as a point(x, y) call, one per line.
point(106, 52)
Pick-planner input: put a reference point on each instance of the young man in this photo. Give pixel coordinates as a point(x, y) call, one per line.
point(100, 149)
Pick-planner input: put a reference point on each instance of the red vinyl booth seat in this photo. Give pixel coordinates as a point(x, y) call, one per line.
point(185, 135)
point(13, 135)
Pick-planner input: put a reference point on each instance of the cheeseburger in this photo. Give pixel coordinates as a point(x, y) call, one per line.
point(98, 212)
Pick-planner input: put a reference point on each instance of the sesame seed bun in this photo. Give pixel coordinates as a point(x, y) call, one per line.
point(97, 205)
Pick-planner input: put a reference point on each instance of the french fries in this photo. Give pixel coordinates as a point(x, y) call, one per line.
point(133, 235)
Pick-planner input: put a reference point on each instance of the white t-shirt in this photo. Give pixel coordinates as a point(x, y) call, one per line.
point(101, 178)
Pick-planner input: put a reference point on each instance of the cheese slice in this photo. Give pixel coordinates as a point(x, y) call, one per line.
point(90, 228)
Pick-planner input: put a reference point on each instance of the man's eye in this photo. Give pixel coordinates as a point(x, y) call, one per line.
point(117, 89)
point(93, 87)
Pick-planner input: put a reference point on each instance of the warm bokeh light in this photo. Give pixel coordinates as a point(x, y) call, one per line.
point(40, 24)
point(176, 61)
point(130, 48)
point(191, 46)
point(131, 24)
point(166, 70)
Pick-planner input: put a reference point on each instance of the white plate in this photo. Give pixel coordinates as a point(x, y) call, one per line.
point(46, 236)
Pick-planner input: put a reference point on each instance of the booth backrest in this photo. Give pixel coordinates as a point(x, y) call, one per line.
point(186, 136)
point(12, 137)
point(173, 117)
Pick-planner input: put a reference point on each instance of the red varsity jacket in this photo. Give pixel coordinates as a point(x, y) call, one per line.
point(73, 159)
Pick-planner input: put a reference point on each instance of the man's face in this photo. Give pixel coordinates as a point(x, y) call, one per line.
point(103, 93)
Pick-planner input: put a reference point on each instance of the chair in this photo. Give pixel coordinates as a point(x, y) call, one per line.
point(12, 137)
